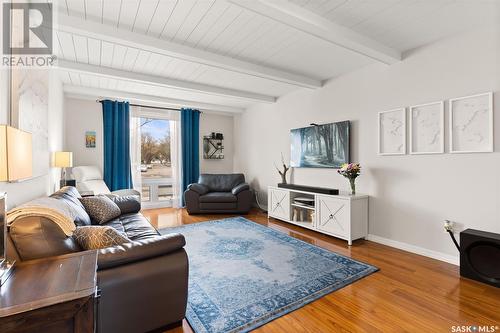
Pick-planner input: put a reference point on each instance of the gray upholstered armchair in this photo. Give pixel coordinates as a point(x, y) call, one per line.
point(214, 193)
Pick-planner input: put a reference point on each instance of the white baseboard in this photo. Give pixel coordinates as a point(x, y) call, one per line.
point(415, 249)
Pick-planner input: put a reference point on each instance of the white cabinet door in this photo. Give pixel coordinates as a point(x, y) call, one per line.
point(333, 216)
point(279, 204)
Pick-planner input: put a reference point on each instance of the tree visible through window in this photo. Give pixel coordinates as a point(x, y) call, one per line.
point(155, 148)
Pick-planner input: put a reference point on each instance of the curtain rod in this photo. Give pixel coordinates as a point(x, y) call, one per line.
point(151, 107)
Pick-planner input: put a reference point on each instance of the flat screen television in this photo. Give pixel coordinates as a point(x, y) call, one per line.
point(321, 146)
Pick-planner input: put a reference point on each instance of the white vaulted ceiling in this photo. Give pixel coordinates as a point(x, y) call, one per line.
point(235, 52)
point(406, 24)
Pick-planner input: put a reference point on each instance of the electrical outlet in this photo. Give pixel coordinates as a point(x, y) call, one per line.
point(453, 226)
point(448, 226)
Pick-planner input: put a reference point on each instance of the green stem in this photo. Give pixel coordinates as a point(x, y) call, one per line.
point(352, 181)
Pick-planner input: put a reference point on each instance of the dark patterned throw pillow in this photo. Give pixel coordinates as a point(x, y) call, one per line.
point(101, 208)
point(96, 237)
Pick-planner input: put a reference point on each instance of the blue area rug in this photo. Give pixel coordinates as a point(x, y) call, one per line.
point(243, 275)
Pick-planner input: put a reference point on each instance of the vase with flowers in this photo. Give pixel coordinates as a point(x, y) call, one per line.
point(350, 171)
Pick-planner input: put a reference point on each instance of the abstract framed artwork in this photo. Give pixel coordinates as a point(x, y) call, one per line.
point(471, 124)
point(392, 132)
point(427, 128)
point(90, 137)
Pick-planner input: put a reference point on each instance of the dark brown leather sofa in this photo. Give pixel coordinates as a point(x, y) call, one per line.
point(219, 193)
point(143, 283)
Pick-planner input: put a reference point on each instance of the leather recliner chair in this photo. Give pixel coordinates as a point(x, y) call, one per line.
point(219, 193)
point(143, 284)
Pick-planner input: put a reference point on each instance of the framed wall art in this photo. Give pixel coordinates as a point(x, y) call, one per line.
point(90, 137)
point(471, 123)
point(427, 128)
point(392, 132)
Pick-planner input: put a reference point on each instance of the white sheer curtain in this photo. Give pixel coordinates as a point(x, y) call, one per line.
point(175, 156)
point(135, 148)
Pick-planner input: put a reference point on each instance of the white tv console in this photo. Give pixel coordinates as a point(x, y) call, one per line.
point(343, 216)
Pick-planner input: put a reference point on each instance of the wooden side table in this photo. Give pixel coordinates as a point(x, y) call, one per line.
point(50, 295)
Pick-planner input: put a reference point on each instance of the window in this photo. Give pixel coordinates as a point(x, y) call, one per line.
point(146, 193)
point(154, 155)
point(155, 149)
point(165, 192)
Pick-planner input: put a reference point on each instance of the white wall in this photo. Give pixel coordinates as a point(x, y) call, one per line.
point(56, 126)
point(83, 115)
point(4, 92)
point(21, 192)
point(410, 195)
point(217, 123)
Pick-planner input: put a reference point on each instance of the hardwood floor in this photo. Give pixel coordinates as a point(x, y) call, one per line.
point(410, 293)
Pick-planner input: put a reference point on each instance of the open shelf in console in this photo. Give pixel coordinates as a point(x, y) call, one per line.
point(302, 208)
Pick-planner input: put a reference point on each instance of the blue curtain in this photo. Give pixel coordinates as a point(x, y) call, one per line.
point(116, 123)
point(190, 142)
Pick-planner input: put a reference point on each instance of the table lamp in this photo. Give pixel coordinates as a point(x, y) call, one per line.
point(16, 163)
point(63, 160)
point(16, 154)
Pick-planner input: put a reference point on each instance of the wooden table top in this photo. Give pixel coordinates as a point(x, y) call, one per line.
point(43, 282)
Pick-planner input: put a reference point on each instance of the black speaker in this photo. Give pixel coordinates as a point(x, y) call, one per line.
point(480, 256)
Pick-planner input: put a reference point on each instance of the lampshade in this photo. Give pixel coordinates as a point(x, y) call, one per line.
point(16, 161)
point(63, 159)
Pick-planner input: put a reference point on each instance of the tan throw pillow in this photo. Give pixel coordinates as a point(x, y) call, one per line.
point(98, 237)
point(101, 208)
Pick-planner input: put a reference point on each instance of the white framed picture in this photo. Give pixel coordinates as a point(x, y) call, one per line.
point(392, 132)
point(427, 128)
point(471, 124)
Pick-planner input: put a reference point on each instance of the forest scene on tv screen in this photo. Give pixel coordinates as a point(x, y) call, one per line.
point(321, 146)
